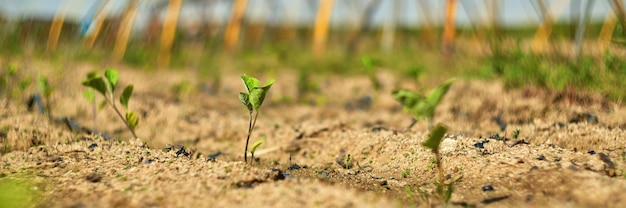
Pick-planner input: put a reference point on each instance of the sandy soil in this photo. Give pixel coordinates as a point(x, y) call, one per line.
point(570, 151)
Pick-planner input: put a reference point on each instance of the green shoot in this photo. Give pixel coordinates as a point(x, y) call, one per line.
point(433, 143)
point(370, 68)
point(106, 86)
point(253, 99)
point(47, 92)
point(422, 107)
point(90, 96)
point(516, 134)
point(254, 146)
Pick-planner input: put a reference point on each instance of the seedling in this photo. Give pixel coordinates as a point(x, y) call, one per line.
point(47, 92)
point(253, 99)
point(422, 107)
point(106, 87)
point(90, 96)
point(370, 68)
point(516, 134)
point(433, 143)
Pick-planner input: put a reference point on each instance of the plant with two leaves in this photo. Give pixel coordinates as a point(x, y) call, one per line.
point(106, 86)
point(422, 107)
point(253, 99)
point(433, 142)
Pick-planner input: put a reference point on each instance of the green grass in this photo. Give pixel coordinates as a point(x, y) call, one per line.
point(513, 66)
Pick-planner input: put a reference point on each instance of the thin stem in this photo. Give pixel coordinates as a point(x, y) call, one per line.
point(95, 115)
point(112, 102)
point(251, 125)
point(439, 172)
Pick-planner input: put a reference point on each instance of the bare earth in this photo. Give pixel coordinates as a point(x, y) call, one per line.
point(570, 152)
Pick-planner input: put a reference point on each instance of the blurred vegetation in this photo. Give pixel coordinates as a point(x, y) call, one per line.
point(412, 56)
point(19, 192)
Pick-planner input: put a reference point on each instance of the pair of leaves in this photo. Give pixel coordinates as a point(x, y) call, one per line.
point(107, 86)
point(253, 98)
point(423, 106)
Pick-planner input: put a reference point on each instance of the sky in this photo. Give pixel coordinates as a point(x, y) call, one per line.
point(406, 13)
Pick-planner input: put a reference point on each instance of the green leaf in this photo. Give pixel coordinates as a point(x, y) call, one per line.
point(92, 75)
point(435, 96)
point(244, 98)
point(256, 145)
point(96, 83)
point(435, 138)
point(44, 86)
point(90, 95)
point(112, 76)
point(258, 94)
point(125, 96)
point(250, 82)
point(133, 119)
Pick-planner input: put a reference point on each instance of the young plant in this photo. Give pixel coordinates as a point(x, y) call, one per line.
point(422, 107)
point(90, 96)
point(253, 99)
point(47, 92)
point(370, 68)
point(106, 86)
point(433, 143)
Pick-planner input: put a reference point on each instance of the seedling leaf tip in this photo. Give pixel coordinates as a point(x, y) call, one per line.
point(435, 138)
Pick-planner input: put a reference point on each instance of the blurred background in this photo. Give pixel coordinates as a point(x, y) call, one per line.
point(554, 44)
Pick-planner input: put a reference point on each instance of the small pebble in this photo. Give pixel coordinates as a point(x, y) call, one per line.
point(487, 188)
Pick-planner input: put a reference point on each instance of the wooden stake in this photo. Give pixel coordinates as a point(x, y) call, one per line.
point(234, 25)
point(55, 28)
point(320, 31)
point(449, 27)
point(98, 20)
point(123, 33)
point(168, 32)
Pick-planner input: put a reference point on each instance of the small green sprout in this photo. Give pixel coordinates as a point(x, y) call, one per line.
point(106, 87)
point(46, 90)
point(254, 146)
point(422, 107)
point(253, 99)
point(516, 134)
point(433, 143)
point(370, 68)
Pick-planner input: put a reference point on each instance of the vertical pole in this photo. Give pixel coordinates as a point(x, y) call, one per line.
point(234, 25)
point(580, 32)
point(606, 34)
point(540, 40)
point(123, 33)
point(449, 28)
point(57, 25)
point(320, 30)
point(428, 34)
point(168, 32)
point(90, 39)
point(389, 28)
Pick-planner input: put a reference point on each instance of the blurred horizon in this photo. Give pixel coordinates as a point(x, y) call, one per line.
point(346, 13)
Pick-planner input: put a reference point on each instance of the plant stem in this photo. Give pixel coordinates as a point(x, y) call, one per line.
point(439, 172)
point(250, 129)
point(112, 102)
point(245, 153)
